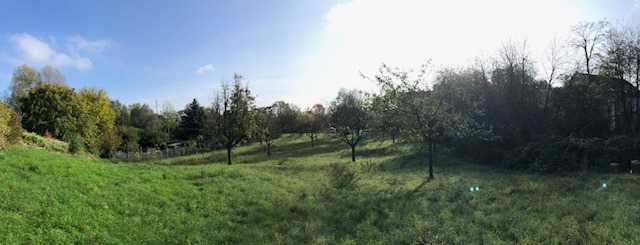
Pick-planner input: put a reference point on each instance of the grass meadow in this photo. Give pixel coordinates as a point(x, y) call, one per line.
point(305, 195)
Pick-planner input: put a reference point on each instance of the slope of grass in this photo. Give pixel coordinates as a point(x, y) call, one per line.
point(290, 197)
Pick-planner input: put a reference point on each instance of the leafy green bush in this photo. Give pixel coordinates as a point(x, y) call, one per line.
point(15, 135)
point(621, 149)
point(10, 126)
point(5, 119)
point(553, 154)
point(341, 176)
point(36, 140)
point(75, 144)
point(109, 143)
point(130, 138)
point(481, 149)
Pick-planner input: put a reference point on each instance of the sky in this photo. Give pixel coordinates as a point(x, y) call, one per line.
point(299, 51)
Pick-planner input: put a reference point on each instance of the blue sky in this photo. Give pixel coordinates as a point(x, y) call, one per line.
point(299, 51)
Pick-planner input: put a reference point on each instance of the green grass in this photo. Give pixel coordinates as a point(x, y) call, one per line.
point(290, 198)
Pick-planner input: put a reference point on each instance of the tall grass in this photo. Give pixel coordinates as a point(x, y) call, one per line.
point(292, 197)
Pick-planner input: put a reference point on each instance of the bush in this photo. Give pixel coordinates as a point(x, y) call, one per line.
point(109, 143)
point(10, 126)
point(36, 140)
point(341, 176)
point(130, 137)
point(15, 135)
point(5, 129)
point(75, 144)
point(621, 149)
point(553, 154)
point(484, 150)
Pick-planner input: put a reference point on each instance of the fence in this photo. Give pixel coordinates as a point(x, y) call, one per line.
point(156, 154)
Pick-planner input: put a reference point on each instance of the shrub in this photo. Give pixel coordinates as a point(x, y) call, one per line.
point(481, 149)
point(10, 126)
point(341, 176)
point(75, 144)
point(36, 140)
point(48, 135)
point(621, 149)
point(5, 119)
point(15, 134)
point(109, 143)
point(130, 137)
point(552, 154)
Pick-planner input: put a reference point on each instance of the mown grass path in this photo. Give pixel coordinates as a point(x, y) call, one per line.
point(290, 198)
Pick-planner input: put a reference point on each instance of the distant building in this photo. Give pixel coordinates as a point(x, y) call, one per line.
point(620, 96)
point(174, 145)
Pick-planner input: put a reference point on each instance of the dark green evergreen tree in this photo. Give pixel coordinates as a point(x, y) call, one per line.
point(192, 120)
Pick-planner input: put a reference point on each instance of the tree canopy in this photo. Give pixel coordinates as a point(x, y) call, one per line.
point(420, 111)
point(23, 80)
point(267, 126)
point(314, 121)
point(231, 117)
point(95, 116)
point(350, 117)
point(52, 108)
point(52, 75)
point(145, 119)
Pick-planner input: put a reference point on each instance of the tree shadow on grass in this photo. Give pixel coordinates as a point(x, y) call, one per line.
point(365, 153)
point(282, 150)
point(202, 159)
point(328, 143)
point(258, 153)
point(362, 214)
point(366, 216)
point(300, 149)
point(404, 162)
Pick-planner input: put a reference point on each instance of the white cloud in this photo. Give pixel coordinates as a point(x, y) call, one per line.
point(78, 43)
point(30, 49)
point(204, 69)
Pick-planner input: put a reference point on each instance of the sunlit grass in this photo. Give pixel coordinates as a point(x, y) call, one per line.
point(290, 198)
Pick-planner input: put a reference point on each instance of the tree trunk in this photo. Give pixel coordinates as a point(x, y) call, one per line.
point(431, 159)
point(311, 141)
point(268, 149)
point(586, 57)
point(353, 153)
point(229, 155)
point(393, 138)
point(546, 107)
point(637, 104)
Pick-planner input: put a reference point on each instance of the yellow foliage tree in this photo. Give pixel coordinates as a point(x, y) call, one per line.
point(96, 116)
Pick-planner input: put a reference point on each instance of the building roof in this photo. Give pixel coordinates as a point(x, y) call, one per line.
point(605, 82)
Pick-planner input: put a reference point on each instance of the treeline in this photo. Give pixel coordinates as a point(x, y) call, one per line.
point(89, 121)
point(43, 103)
point(582, 114)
